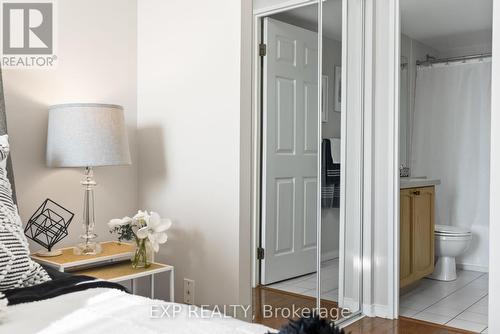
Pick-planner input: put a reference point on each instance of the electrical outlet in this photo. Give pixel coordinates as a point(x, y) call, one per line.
point(188, 291)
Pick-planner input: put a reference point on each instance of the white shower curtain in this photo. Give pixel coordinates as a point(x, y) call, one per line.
point(451, 142)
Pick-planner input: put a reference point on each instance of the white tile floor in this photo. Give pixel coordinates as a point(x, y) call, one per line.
point(462, 303)
point(306, 285)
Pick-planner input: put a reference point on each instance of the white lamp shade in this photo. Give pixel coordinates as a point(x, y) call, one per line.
point(87, 135)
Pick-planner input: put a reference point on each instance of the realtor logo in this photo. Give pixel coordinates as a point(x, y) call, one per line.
point(27, 34)
point(27, 28)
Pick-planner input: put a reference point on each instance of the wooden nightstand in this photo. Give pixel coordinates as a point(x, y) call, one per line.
point(112, 264)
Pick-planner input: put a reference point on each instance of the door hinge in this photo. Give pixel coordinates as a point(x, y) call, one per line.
point(262, 50)
point(260, 253)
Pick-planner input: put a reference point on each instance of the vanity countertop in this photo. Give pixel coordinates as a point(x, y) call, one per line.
point(417, 182)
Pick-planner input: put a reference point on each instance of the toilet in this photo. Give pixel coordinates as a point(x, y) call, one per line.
point(450, 242)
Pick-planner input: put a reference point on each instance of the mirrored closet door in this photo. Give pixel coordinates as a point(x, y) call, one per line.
point(331, 142)
point(309, 256)
point(340, 253)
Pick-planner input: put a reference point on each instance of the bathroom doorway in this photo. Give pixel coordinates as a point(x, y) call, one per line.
point(444, 147)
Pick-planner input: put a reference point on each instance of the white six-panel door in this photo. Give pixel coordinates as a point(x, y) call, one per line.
point(290, 148)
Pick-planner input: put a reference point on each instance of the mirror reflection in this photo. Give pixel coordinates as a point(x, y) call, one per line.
point(330, 150)
point(340, 241)
point(293, 110)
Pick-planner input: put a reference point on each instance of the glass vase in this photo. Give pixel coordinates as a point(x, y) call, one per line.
point(142, 255)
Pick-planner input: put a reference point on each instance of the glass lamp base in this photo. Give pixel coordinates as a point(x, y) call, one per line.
point(88, 248)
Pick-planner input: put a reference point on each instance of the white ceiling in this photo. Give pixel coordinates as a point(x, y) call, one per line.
point(447, 24)
point(307, 17)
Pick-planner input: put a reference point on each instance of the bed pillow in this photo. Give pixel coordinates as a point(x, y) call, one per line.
point(17, 270)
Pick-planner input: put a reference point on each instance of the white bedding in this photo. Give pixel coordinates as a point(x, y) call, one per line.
point(113, 312)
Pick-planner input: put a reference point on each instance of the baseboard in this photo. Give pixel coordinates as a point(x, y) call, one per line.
point(473, 267)
point(375, 310)
point(329, 255)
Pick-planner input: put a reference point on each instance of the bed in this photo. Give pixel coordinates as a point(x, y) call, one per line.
point(81, 304)
point(104, 310)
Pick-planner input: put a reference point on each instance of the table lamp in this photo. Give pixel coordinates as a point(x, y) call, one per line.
point(87, 135)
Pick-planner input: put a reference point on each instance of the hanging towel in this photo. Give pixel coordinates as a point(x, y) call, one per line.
point(330, 177)
point(335, 147)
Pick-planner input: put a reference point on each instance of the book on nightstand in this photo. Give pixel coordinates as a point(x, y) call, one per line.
point(112, 251)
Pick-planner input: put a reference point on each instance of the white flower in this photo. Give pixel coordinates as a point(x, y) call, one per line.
point(119, 222)
point(155, 230)
point(141, 215)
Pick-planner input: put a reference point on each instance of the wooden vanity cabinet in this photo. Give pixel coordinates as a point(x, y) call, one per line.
point(416, 234)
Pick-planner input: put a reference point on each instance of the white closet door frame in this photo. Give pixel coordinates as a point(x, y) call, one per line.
point(390, 164)
point(494, 289)
point(353, 214)
point(393, 87)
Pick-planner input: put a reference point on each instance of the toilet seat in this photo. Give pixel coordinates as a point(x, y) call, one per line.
point(451, 231)
point(453, 237)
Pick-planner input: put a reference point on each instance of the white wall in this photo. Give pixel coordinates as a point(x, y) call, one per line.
point(469, 43)
point(189, 139)
point(97, 62)
point(192, 179)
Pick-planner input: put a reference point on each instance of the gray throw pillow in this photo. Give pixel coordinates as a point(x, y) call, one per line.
point(17, 269)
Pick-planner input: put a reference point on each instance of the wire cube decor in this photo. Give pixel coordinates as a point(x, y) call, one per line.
point(49, 224)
